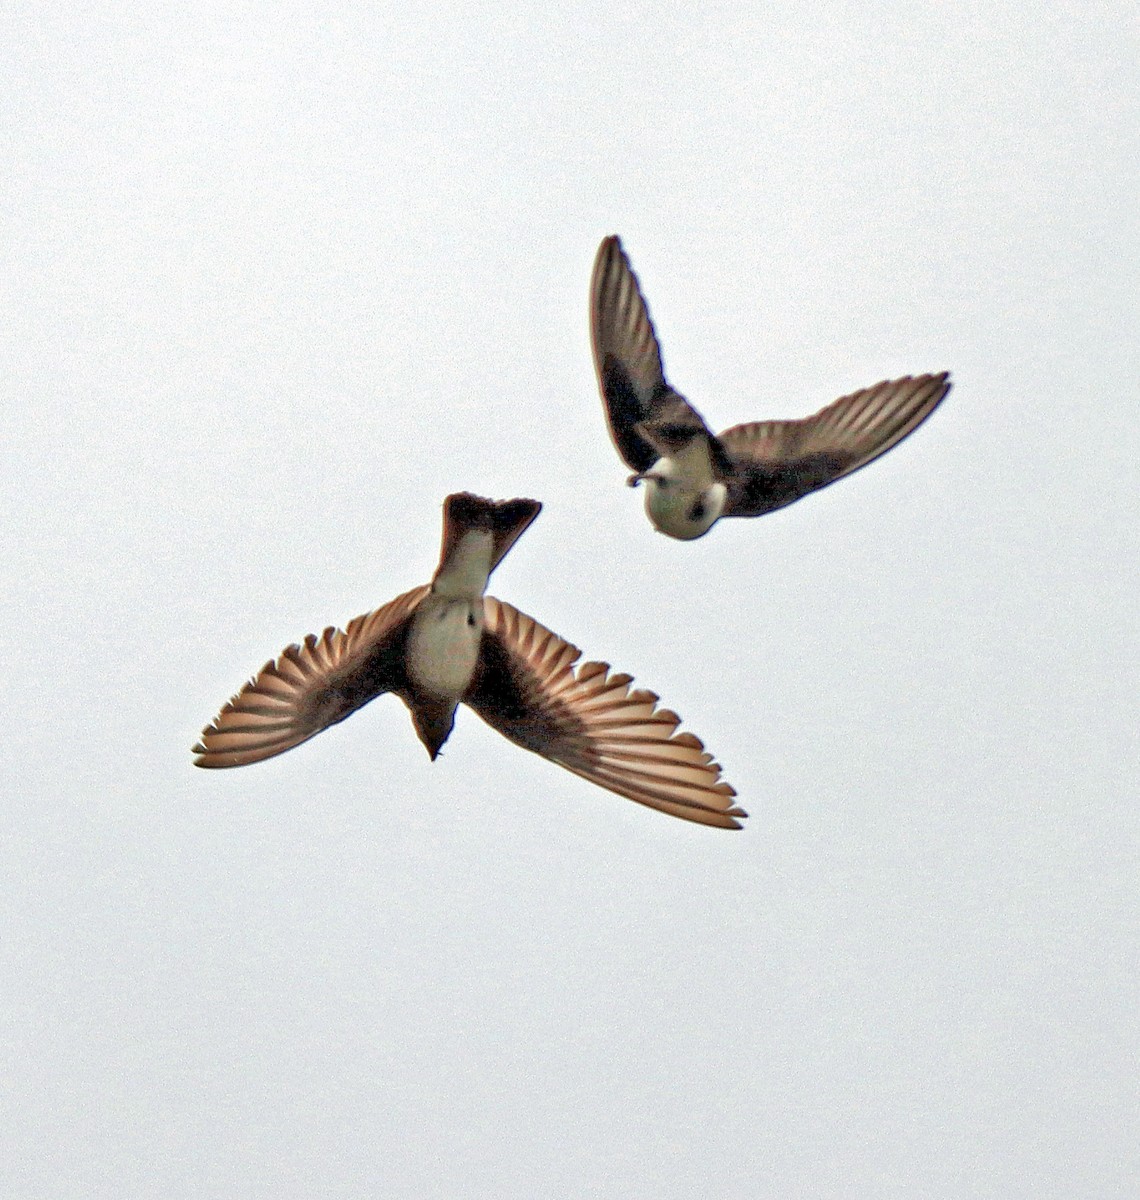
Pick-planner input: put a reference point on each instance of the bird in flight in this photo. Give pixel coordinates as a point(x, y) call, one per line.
point(692, 476)
point(446, 643)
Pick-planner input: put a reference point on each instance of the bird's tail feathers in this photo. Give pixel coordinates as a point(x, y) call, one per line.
point(506, 519)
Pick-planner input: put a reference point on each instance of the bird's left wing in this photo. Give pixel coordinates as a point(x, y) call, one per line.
point(589, 721)
point(776, 462)
point(311, 686)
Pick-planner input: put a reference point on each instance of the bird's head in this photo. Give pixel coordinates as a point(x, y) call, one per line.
point(434, 723)
point(677, 508)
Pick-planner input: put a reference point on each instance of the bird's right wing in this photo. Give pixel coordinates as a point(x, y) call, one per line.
point(627, 359)
point(309, 687)
point(590, 722)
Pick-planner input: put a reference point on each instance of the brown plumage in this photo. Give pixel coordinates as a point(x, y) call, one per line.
point(524, 682)
point(747, 470)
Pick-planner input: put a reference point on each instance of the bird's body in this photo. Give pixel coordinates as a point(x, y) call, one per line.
point(446, 644)
point(445, 632)
point(692, 476)
point(682, 492)
point(443, 646)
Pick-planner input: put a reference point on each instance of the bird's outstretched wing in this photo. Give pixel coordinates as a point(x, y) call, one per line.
point(776, 462)
point(309, 687)
point(589, 721)
point(627, 358)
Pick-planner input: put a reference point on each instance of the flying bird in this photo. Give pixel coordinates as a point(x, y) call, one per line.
point(446, 643)
point(692, 476)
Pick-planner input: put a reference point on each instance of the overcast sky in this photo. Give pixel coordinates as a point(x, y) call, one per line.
point(276, 279)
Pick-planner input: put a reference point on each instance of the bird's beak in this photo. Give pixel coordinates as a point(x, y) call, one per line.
point(634, 480)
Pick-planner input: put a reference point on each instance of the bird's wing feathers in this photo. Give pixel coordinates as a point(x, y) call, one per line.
point(627, 358)
point(589, 721)
point(311, 686)
point(776, 462)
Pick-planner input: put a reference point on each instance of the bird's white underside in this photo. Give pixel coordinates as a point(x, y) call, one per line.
point(447, 629)
point(675, 483)
point(443, 645)
point(464, 575)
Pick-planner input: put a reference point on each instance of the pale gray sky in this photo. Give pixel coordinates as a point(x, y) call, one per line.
point(274, 282)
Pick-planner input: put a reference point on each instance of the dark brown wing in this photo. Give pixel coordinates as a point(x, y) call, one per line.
point(311, 686)
point(627, 358)
point(590, 722)
point(776, 462)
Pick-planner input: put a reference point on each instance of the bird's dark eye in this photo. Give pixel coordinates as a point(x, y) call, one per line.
point(697, 512)
point(471, 619)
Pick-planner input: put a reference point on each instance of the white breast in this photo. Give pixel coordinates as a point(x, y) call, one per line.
point(443, 645)
point(669, 504)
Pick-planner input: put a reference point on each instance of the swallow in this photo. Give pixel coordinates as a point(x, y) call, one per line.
point(694, 477)
point(447, 643)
